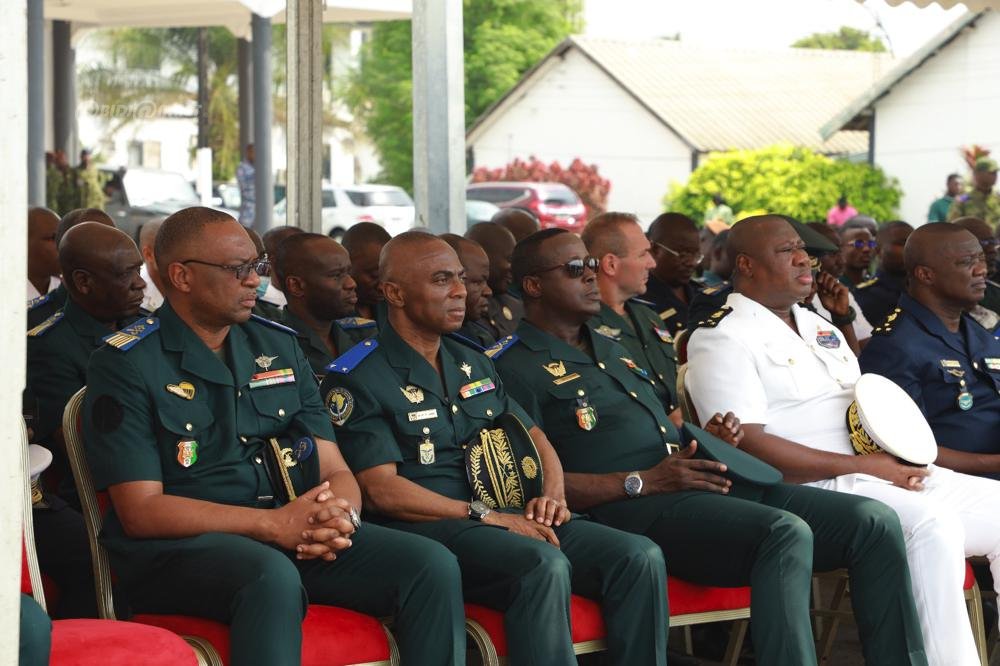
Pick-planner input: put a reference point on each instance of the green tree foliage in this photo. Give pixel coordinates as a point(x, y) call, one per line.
point(503, 39)
point(845, 39)
point(786, 180)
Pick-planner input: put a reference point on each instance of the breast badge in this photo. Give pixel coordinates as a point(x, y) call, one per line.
point(413, 393)
point(827, 339)
point(556, 368)
point(608, 332)
point(631, 365)
point(182, 390)
point(664, 335)
point(467, 369)
point(340, 404)
point(264, 362)
point(187, 452)
point(586, 415)
point(426, 450)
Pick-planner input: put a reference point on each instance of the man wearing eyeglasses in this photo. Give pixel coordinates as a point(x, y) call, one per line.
point(409, 404)
point(230, 499)
point(877, 296)
point(857, 244)
point(626, 466)
point(676, 249)
point(946, 361)
point(987, 311)
point(790, 376)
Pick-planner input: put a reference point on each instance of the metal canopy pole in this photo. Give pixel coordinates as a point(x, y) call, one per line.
point(64, 90)
point(36, 103)
point(305, 114)
point(244, 92)
point(438, 115)
point(262, 118)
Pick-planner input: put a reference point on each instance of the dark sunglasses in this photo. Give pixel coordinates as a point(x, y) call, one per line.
point(574, 267)
point(861, 244)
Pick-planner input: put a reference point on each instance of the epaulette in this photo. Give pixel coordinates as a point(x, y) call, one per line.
point(273, 324)
point(866, 283)
point(885, 328)
point(642, 301)
point(46, 325)
point(468, 342)
point(708, 291)
point(129, 336)
point(348, 323)
point(39, 300)
point(713, 320)
point(350, 359)
point(501, 347)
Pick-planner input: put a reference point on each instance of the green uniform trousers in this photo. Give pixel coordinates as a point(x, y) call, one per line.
point(530, 581)
point(36, 634)
point(774, 545)
point(261, 592)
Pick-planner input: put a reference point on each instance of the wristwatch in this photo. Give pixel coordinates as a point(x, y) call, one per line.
point(478, 510)
point(355, 519)
point(633, 484)
point(844, 320)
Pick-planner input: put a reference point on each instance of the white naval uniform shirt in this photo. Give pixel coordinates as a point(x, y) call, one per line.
point(754, 365)
point(862, 327)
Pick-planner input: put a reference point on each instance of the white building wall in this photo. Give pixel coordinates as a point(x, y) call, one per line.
point(953, 100)
point(576, 110)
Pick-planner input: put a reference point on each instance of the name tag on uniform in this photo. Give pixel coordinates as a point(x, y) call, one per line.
point(992, 363)
point(946, 363)
point(422, 415)
point(272, 378)
point(477, 387)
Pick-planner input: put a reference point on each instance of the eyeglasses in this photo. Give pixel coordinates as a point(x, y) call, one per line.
point(989, 243)
point(861, 244)
point(698, 257)
point(261, 266)
point(574, 267)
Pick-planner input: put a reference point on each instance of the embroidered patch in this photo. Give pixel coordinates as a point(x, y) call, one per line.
point(340, 404)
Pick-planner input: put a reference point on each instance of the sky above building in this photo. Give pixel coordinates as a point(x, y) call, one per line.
point(764, 23)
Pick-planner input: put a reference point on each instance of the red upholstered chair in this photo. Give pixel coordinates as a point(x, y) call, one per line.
point(689, 604)
point(331, 636)
point(94, 642)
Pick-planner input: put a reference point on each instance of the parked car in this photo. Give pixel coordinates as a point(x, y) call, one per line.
point(343, 207)
point(479, 211)
point(136, 196)
point(554, 204)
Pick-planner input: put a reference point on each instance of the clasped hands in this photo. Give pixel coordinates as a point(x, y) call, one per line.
point(316, 524)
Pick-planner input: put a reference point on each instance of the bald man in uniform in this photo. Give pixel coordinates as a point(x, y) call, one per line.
point(877, 296)
point(790, 376)
point(475, 329)
point(519, 222)
point(364, 242)
point(676, 249)
point(230, 499)
point(43, 255)
point(987, 311)
point(505, 308)
point(404, 406)
point(269, 291)
point(314, 273)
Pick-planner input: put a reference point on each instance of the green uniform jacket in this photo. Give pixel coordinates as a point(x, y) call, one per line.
point(601, 416)
point(162, 407)
point(976, 204)
point(389, 406)
point(346, 333)
point(649, 343)
point(43, 307)
point(475, 333)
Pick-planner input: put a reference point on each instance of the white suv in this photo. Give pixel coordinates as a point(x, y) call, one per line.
point(343, 207)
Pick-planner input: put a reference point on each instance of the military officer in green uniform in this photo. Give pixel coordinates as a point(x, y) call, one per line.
point(617, 241)
point(476, 328)
point(230, 499)
point(407, 402)
point(364, 242)
point(981, 201)
point(614, 440)
point(314, 273)
point(504, 309)
point(676, 250)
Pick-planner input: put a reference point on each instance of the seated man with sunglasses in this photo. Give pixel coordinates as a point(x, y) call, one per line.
point(626, 466)
point(676, 248)
point(230, 499)
point(877, 297)
point(411, 404)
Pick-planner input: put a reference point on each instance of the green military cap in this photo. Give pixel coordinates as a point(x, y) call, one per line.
point(816, 243)
point(985, 163)
point(503, 465)
point(883, 417)
point(750, 476)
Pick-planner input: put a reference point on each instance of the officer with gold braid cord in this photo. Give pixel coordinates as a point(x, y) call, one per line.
point(441, 450)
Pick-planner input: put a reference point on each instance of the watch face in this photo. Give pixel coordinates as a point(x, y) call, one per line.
point(633, 485)
point(479, 508)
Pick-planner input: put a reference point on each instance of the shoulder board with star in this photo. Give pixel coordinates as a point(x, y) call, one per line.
point(713, 320)
point(352, 358)
point(39, 300)
point(501, 347)
point(468, 342)
point(132, 334)
point(46, 325)
point(348, 323)
point(866, 283)
point(273, 324)
point(708, 291)
point(885, 328)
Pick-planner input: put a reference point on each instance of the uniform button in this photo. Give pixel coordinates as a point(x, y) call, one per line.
point(663, 429)
point(791, 361)
point(243, 439)
point(660, 375)
point(600, 365)
point(489, 412)
point(975, 365)
point(281, 412)
point(188, 427)
point(633, 394)
point(239, 394)
point(454, 409)
point(652, 382)
point(427, 430)
point(258, 459)
point(580, 392)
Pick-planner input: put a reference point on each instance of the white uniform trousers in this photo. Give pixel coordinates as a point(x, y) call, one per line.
point(955, 516)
